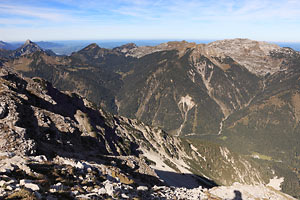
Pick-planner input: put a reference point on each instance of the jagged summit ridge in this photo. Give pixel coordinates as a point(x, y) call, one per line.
point(254, 55)
point(140, 51)
point(91, 46)
point(247, 45)
point(125, 48)
point(27, 48)
point(28, 41)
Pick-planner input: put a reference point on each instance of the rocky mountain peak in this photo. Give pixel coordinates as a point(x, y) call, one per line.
point(27, 48)
point(180, 46)
point(31, 44)
point(245, 51)
point(92, 51)
point(129, 45)
point(28, 42)
point(239, 49)
point(240, 45)
point(92, 46)
point(125, 48)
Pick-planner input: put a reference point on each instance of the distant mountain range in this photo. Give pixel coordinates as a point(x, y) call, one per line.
point(240, 94)
point(7, 46)
point(27, 48)
point(68, 47)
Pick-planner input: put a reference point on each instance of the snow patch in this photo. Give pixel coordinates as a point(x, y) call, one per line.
point(168, 175)
point(224, 152)
point(160, 165)
point(185, 105)
point(192, 74)
point(240, 191)
point(196, 150)
point(193, 148)
point(221, 125)
point(255, 156)
point(190, 134)
point(276, 182)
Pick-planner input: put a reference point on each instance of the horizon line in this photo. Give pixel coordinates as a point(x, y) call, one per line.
point(147, 39)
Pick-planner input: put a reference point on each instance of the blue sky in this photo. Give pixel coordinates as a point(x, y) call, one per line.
point(269, 20)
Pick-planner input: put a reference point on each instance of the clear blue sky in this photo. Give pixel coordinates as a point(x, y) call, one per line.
point(270, 20)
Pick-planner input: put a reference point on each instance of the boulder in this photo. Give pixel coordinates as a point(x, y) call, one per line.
point(142, 188)
point(32, 186)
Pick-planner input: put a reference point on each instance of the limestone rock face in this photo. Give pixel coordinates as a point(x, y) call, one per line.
point(254, 55)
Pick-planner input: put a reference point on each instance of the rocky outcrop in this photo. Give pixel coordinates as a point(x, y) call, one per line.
point(65, 178)
point(125, 48)
point(27, 48)
point(253, 55)
point(138, 52)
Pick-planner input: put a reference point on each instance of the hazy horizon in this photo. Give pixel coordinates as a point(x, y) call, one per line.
point(138, 40)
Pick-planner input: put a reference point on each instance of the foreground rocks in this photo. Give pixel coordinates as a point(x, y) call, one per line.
point(63, 178)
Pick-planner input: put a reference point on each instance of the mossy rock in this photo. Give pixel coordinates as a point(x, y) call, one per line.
point(22, 194)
